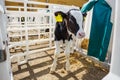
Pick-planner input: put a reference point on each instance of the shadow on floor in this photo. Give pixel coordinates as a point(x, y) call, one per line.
point(38, 68)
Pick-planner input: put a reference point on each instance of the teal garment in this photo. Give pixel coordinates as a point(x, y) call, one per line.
point(88, 6)
point(100, 29)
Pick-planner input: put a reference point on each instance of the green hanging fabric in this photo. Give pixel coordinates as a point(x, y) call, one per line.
point(88, 6)
point(100, 28)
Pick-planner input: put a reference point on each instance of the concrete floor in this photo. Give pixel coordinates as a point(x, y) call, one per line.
point(38, 67)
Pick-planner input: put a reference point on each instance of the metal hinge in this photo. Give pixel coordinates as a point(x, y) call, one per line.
point(2, 55)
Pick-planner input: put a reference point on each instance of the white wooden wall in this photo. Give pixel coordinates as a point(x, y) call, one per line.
point(5, 67)
point(114, 73)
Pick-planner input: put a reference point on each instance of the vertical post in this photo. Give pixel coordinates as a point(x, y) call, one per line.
point(87, 24)
point(5, 68)
point(114, 73)
point(50, 25)
point(26, 35)
point(26, 30)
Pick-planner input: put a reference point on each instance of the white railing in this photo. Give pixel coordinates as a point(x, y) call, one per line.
point(27, 28)
point(24, 32)
point(30, 26)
